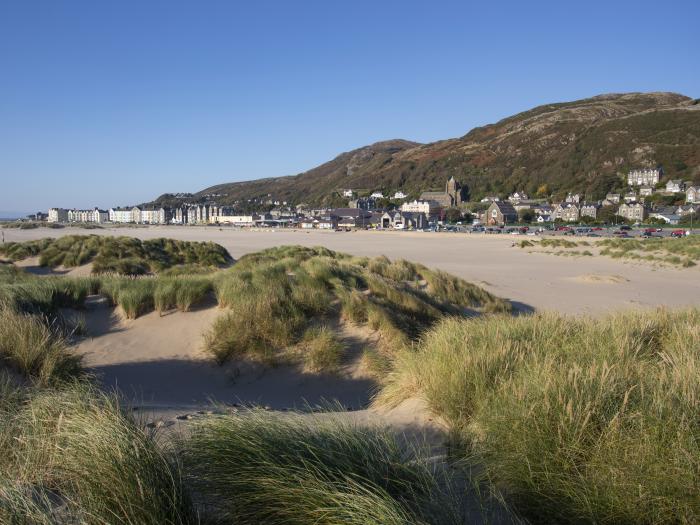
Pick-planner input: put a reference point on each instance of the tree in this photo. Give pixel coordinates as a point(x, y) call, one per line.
point(453, 215)
point(543, 190)
point(607, 214)
point(526, 215)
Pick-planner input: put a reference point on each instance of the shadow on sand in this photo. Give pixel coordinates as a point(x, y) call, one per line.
point(181, 382)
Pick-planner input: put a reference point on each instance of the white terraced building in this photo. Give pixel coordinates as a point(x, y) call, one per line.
point(95, 215)
point(645, 177)
point(58, 215)
point(121, 215)
point(429, 208)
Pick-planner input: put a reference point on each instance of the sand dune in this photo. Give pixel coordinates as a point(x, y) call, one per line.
point(537, 281)
point(32, 266)
point(157, 361)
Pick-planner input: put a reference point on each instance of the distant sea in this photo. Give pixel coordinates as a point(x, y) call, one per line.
point(11, 215)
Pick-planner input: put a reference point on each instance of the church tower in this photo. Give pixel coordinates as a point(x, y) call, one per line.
point(454, 190)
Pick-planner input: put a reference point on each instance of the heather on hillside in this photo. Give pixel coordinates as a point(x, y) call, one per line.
point(584, 146)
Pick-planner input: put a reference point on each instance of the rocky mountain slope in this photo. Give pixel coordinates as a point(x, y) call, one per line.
point(586, 146)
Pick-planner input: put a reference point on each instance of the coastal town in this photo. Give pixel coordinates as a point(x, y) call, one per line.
point(648, 199)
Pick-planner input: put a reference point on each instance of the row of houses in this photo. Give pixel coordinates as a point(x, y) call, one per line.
point(223, 215)
point(505, 212)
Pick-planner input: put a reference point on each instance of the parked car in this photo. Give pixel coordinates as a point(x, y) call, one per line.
point(678, 233)
point(625, 228)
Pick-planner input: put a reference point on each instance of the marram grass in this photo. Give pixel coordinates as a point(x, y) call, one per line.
point(266, 468)
point(574, 419)
point(272, 296)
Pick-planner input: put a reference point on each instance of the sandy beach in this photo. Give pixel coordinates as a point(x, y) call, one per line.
point(571, 285)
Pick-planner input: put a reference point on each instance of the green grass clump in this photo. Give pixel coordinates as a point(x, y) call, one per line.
point(73, 456)
point(123, 255)
point(321, 350)
point(573, 419)
point(684, 252)
point(38, 352)
point(45, 295)
point(558, 243)
point(180, 292)
point(135, 296)
point(262, 468)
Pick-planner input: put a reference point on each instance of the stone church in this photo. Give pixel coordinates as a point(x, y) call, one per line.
point(454, 195)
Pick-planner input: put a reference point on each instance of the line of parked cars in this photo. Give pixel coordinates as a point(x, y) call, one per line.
point(623, 231)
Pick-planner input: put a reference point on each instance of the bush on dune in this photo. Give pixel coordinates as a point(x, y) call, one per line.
point(573, 419)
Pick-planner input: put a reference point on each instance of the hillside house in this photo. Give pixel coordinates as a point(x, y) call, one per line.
point(612, 198)
point(567, 212)
point(590, 209)
point(687, 209)
point(692, 195)
point(646, 191)
point(400, 195)
point(675, 186)
point(668, 218)
point(543, 209)
point(630, 197)
point(635, 211)
point(573, 198)
point(501, 213)
point(364, 203)
point(518, 196)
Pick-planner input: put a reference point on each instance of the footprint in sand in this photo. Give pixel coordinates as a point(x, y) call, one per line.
point(600, 279)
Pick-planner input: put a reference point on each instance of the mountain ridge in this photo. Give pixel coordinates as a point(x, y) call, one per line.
point(583, 145)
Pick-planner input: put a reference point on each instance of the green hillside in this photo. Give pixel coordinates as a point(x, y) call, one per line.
point(585, 146)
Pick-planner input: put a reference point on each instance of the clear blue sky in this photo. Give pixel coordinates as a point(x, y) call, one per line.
point(113, 103)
